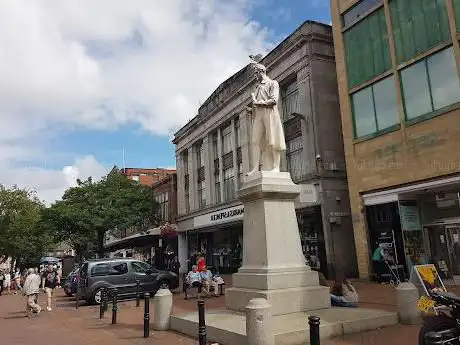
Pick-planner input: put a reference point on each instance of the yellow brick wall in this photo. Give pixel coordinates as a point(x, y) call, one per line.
point(425, 150)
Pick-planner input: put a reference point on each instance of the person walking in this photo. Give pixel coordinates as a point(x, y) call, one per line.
point(7, 282)
point(50, 281)
point(2, 278)
point(31, 289)
point(17, 281)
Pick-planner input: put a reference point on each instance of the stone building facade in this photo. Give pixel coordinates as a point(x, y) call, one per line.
point(212, 157)
point(398, 75)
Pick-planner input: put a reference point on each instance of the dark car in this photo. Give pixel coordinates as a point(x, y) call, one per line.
point(71, 282)
point(123, 275)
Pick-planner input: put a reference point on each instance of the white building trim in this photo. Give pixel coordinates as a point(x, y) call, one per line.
point(391, 195)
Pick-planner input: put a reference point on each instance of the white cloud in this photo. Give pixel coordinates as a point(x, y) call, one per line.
point(101, 64)
point(50, 183)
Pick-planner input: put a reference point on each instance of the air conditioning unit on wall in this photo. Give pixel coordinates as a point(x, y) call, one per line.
point(444, 200)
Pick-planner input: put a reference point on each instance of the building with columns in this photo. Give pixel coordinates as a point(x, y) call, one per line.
point(212, 157)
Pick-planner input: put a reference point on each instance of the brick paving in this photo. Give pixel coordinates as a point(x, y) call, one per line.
point(67, 325)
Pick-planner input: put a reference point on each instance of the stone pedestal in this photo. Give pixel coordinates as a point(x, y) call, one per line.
point(273, 263)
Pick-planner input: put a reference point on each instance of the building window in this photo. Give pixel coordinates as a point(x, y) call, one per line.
point(430, 84)
point(457, 14)
point(163, 202)
point(229, 184)
point(227, 145)
point(239, 161)
point(358, 10)
point(201, 194)
point(290, 100)
point(135, 178)
point(294, 149)
point(215, 146)
point(187, 193)
point(237, 132)
point(418, 26)
point(374, 108)
point(366, 49)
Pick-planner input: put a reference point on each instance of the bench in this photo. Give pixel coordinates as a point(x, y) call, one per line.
point(186, 287)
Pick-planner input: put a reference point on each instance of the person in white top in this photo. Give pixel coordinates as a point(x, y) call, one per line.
point(30, 290)
point(193, 278)
point(7, 282)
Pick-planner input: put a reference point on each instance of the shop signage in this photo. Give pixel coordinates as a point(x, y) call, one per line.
point(222, 216)
point(308, 193)
point(410, 216)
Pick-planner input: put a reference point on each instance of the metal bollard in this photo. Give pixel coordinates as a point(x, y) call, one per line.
point(114, 305)
point(433, 338)
point(313, 322)
point(201, 323)
point(138, 296)
point(77, 297)
point(105, 298)
point(102, 305)
point(146, 315)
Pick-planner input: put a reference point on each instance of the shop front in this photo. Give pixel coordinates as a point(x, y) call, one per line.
point(218, 236)
point(312, 237)
point(417, 225)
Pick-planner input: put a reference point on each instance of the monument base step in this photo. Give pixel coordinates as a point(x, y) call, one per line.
point(282, 301)
point(229, 327)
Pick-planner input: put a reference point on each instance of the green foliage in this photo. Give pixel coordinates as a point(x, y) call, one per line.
point(91, 209)
point(21, 234)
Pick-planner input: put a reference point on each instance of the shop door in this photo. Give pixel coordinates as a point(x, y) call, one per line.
point(453, 247)
point(439, 249)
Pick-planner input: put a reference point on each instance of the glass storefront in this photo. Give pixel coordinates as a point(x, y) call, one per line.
point(312, 238)
point(222, 248)
point(385, 236)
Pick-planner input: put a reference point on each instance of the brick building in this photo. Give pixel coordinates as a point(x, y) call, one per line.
point(212, 156)
point(147, 176)
point(151, 245)
point(398, 76)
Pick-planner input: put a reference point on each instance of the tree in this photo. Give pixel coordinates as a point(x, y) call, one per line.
point(91, 209)
point(21, 236)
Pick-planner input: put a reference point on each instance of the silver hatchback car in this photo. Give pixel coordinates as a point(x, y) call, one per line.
point(122, 274)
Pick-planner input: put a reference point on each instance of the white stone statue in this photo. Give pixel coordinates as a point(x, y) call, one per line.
point(267, 139)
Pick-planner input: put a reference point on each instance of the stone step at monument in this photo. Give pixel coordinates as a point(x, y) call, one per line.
point(229, 328)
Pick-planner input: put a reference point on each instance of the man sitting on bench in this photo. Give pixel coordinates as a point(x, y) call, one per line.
point(193, 278)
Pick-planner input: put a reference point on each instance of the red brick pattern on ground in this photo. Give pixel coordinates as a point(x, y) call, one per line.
point(67, 325)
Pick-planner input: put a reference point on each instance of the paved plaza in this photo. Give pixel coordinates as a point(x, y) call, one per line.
point(67, 325)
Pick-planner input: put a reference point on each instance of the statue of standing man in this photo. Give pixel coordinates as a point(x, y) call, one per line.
point(267, 140)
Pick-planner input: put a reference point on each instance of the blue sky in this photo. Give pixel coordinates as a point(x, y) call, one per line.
point(85, 80)
point(143, 149)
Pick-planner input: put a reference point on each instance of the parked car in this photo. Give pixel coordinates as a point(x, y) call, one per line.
point(123, 275)
point(71, 282)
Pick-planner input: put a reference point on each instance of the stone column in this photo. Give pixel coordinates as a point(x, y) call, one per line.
point(221, 171)
point(207, 169)
point(235, 161)
point(305, 109)
point(180, 184)
point(192, 172)
point(259, 323)
point(244, 124)
point(182, 250)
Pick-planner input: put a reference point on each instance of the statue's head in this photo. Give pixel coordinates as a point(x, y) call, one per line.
point(259, 70)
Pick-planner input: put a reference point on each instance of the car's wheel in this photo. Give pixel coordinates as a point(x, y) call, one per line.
point(97, 296)
point(163, 284)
